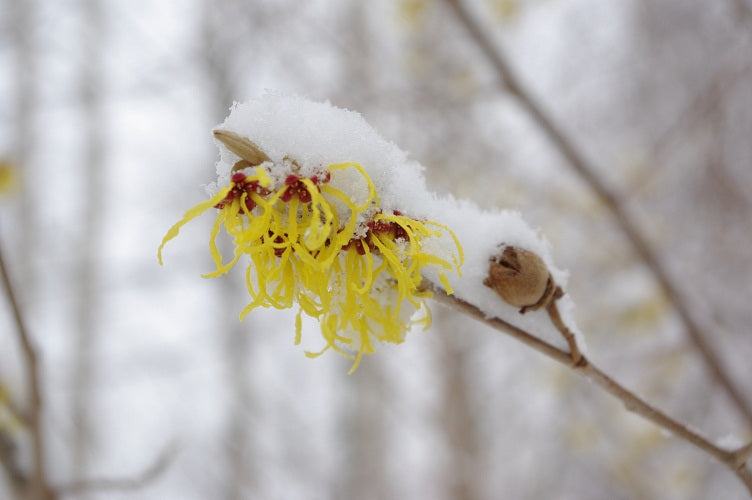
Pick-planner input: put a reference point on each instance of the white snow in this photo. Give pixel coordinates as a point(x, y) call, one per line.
point(730, 442)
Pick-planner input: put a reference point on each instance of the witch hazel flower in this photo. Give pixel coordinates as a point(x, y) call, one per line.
point(306, 193)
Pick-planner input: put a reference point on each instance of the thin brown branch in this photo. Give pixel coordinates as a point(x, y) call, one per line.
point(744, 474)
point(123, 484)
point(704, 103)
point(10, 405)
point(576, 159)
point(742, 10)
point(526, 338)
point(587, 369)
point(9, 461)
point(553, 312)
point(38, 478)
point(743, 454)
point(19, 416)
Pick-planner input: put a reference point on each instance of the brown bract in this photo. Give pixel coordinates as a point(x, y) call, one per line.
point(521, 279)
point(242, 147)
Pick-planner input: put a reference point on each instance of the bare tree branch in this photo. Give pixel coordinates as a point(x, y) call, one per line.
point(553, 312)
point(743, 454)
point(123, 484)
point(39, 476)
point(587, 172)
point(94, 166)
point(10, 405)
point(743, 10)
point(587, 369)
point(9, 461)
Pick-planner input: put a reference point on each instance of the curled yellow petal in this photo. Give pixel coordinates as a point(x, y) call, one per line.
point(329, 249)
point(189, 216)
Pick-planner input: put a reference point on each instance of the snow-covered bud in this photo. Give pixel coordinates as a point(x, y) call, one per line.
point(520, 278)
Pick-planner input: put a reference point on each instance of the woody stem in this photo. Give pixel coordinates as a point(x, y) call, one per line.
point(34, 416)
point(587, 369)
point(574, 156)
point(553, 313)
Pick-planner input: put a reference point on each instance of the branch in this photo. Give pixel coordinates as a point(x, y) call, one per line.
point(553, 312)
point(702, 104)
point(587, 172)
point(9, 461)
point(124, 484)
point(743, 10)
point(38, 479)
point(6, 400)
point(584, 367)
point(743, 454)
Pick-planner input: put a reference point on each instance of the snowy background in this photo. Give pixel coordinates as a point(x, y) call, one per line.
point(106, 110)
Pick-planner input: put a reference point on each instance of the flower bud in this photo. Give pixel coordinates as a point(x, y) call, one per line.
point(520, 278)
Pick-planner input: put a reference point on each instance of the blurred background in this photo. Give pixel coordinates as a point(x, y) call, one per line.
point(106, 109)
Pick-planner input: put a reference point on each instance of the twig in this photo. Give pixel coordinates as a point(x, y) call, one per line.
point(705, 102)
point(9, 461)
point(743, 454)
point(526, 338)
point(38, 479)
point(743, 10)
point(588, 370)
point(15, 412)
point(152, 472)
point(553, 313)
point(744, 474)
point(588, 173)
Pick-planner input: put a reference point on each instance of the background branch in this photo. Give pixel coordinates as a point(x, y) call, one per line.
point(9, 461)
point(576, 159)
point(553, 312)
point(743, 454)
point(743, 10)
point(123, 484)
point(38, 480)
point(587, 369)
point(11, 406)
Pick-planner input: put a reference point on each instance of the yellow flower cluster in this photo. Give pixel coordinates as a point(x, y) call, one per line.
point(348, 264)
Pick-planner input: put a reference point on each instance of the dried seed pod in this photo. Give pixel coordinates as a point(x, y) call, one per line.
point(241, 146)
point(521, 279)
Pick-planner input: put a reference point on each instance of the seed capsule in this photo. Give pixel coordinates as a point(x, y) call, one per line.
point(521, 279)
